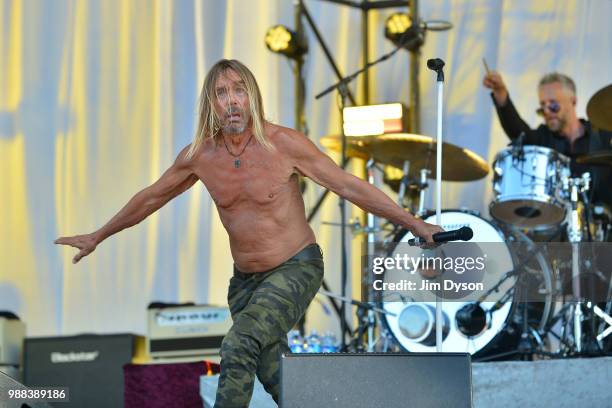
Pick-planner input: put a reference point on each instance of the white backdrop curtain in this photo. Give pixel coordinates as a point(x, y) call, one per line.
point(98, 96)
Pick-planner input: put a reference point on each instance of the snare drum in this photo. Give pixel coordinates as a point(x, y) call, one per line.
point(528, 187)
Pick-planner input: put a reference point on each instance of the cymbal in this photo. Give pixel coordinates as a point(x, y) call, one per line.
point(599, 108)
point(597, 158)
point(393, 149)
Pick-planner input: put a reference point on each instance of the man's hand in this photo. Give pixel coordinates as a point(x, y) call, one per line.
point(495, 83)
point(424, 230)
point(86, 243)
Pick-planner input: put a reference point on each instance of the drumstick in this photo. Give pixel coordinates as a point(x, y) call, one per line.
point(484, 62)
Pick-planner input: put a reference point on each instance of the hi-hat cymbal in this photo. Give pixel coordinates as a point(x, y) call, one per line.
point(393, 149)
point(598, 158)
point(599, 108)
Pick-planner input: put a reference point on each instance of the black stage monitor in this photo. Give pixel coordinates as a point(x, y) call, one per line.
point(390, 380)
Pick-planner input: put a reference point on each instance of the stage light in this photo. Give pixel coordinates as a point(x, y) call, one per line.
point(374, 119)
point(396, 25)
point(399, 28)
point(281, 40)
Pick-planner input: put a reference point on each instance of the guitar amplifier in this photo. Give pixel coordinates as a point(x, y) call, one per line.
point(186, 330)
point(12, 333)
point(90, 366)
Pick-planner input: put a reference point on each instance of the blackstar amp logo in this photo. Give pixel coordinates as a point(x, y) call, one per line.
point(74, 357)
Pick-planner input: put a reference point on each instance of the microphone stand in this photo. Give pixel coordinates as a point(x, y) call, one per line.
point(347, 79)
point(437, 65)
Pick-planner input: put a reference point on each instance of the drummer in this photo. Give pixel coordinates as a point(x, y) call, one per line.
point(562, 130)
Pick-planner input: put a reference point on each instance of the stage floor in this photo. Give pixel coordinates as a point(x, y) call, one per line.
point(577, 382)
point(563, 383)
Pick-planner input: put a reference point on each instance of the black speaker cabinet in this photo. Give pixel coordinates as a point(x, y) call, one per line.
point(91, 366)
point(390, 380)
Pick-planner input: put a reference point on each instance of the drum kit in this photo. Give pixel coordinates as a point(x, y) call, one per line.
point(529, 312)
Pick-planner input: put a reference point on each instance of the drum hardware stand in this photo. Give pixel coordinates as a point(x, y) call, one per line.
point(366, 320)
point(582, 344)
point(369, 321)
point(423, 185)
point(403, 183)
point(525, 346)
point(605, 317)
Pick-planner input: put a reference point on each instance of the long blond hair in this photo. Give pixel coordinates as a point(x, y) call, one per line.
point(209, 123)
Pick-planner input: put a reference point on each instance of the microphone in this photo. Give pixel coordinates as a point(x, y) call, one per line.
point(435, 64)
point(436, 25)
point(461, 234)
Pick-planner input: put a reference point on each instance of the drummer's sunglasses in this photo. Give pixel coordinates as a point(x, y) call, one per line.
point(553, 107)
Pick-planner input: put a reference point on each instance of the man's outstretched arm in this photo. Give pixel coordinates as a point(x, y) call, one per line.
point(316, 165)
point(509, 118)
point(178, 178)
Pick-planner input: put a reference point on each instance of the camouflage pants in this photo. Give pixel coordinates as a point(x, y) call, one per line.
point(264, 307)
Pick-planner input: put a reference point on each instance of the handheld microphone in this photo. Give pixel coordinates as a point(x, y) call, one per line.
point(461, 234)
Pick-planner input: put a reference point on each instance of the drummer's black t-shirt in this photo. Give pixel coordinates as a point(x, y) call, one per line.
point(593, 140)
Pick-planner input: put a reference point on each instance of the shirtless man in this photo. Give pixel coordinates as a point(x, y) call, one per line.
point(250, 168)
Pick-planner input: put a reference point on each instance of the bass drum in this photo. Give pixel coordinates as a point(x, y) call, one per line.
point(494, 326)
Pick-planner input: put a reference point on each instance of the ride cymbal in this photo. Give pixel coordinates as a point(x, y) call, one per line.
point(393, 149)
point(597, 158)
point(599, 108)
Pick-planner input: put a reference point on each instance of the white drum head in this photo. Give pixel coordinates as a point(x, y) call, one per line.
point(409, 319)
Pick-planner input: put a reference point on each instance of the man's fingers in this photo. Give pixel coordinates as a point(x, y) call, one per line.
point(488, 83)
point(69, 241)
point(76, 245)
point(78, 256)
point(65, 241)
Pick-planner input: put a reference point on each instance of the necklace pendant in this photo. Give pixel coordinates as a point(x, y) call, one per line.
point(237, 163)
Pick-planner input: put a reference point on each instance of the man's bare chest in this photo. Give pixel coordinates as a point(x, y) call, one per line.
point(256, 181)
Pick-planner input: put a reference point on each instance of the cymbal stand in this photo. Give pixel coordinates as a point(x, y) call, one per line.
point(424, 173)
point(577, 186)
point(403, 183)
point(530, 342)
point(371, 240)
point(362, 307)
point(574, 233)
